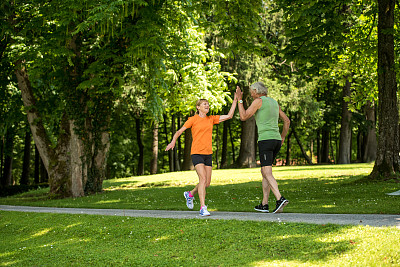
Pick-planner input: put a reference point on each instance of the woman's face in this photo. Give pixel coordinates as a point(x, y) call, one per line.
point(204, 107)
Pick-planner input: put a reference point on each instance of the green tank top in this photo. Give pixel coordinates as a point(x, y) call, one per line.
point(267, 117)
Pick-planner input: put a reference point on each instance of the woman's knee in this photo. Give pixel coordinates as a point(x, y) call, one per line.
point(203, 181)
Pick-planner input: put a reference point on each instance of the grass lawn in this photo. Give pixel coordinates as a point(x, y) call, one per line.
point(310, 189)
point(36, 239)
point(32, 239)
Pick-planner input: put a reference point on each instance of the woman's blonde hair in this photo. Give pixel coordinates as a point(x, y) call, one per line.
point(260, 88)
point(198, 103)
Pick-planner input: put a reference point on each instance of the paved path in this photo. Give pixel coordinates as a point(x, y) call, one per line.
point(343, 219)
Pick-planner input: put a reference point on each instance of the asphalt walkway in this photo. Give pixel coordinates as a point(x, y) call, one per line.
point(342, 219)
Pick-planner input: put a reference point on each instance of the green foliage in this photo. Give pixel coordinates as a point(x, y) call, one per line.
point(316, 32)
point(113, 61)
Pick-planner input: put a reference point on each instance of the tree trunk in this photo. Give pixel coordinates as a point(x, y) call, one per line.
point(27, 159)
point(247, 154)
point(179, 148)
point(177, 166)
point(7, 172)
point(232, 143)
point(370, 142)
point(345, 129)
point(187, 160)
point(360, 144)
point(167, 141)
point(140, 167)
point(217, 146)
point(312, 150)
point(171, 152)
point(325, 146)
point(74, 166)
point(44, 176)
point(8, 157)
point(154, 158)
point(99, 169)
point(36, 177)
point(319, 150)
point(1, 160)
point(288, 157)
point(387, 162)
point(224, 153)
point(307, 158)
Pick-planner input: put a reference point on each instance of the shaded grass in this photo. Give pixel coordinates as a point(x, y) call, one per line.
point(39, 239)
point(310, 189)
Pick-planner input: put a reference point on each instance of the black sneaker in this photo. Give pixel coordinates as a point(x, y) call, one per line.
point(280, 204)
point(262, 208)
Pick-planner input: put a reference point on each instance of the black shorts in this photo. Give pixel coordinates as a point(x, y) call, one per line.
point(268, 149)
point(199, 158)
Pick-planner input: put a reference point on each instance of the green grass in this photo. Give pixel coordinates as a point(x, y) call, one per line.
point(41, 239)
point(310, 189)
point(31, 239)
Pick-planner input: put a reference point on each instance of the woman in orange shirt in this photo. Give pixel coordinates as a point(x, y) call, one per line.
point(201, 151)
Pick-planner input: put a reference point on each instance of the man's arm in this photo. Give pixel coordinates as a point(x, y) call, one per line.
point(286, 124)
point(246, 114)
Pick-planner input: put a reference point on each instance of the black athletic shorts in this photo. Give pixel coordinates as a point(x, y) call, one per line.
point(199, 158)
point(268, 149)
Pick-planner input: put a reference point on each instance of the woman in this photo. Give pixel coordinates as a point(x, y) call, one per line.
point(201, 151)
point(267, 112)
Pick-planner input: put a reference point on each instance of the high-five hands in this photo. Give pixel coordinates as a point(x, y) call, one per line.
point(239, 93)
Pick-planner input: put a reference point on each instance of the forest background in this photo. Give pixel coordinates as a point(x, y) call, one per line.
point(91, 90)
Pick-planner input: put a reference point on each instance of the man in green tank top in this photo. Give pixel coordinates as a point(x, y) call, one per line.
point(267, 119)
point(267, 113)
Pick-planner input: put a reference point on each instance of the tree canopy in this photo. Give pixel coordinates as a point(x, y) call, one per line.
point(99, 81)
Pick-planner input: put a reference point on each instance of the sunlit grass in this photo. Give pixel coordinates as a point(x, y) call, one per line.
point(310, 189)
point(38, 239)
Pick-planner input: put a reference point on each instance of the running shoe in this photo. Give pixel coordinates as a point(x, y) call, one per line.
point(280, 204)
point(189, 200)
point(262, 208)
point(204, 211)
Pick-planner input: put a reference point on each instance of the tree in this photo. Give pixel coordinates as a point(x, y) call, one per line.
point(85, 75)
point(317, 33)
point(344, 156)
point(387, 160)
point(27, 158)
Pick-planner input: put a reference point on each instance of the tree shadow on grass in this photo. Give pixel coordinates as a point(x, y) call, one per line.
point(101, 240)
point(341, 194)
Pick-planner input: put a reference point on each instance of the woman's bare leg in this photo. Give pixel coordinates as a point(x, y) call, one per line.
point(204, 173)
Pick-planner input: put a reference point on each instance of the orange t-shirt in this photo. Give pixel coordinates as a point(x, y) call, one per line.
point(201, 133)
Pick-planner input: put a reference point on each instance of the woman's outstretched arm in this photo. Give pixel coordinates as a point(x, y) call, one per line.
point(174, 138)
point(231, 111)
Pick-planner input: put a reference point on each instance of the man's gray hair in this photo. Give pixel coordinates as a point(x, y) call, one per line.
point(260, 88)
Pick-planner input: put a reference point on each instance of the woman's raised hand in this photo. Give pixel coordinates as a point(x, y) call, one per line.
point(239, 93)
